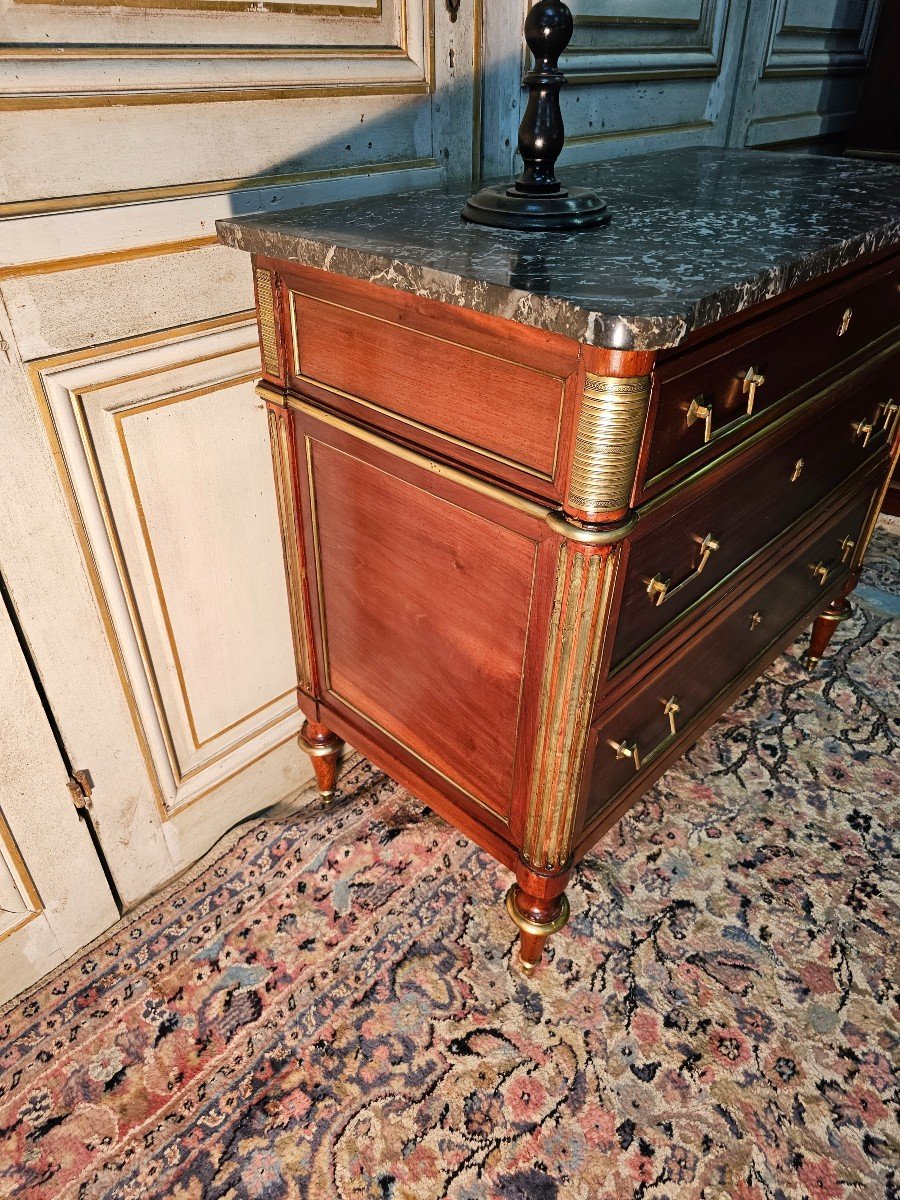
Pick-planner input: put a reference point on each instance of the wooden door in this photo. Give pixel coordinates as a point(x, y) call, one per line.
point(801, 73)
point(53, 894)
point(643, 75)
point(137, 513)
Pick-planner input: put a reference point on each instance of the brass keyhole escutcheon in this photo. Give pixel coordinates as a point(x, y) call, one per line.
point(755, 619)
point(798, 470)
point(846, 318)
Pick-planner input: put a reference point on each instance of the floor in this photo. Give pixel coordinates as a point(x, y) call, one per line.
point(328, 1004)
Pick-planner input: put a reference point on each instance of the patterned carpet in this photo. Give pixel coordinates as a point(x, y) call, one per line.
point(325, 1006)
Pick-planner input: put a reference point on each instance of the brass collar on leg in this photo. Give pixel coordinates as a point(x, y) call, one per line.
point(843, 615)
point(537, 928)
point(316, 750)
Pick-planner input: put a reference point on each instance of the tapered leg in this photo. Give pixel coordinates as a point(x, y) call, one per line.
point(323, 747)
point(827, 622)
point(537, 920)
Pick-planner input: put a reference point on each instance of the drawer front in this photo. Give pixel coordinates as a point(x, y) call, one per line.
point(681, 559)
point(709, 400)
point(632, 735)
point(488, 393)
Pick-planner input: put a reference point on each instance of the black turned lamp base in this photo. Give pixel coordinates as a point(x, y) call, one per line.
point(505, 207)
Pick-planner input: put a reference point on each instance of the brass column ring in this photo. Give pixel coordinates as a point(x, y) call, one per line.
point(537, 928)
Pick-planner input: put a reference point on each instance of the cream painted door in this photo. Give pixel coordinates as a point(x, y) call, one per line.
point(138, 527)
point(53, 894)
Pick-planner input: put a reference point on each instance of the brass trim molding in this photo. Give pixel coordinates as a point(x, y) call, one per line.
point(209, 187)
point(607, 442)
point(590, 535)
point(434, 430)
point(491, 490)
point(323, 623)
point(268, 330)
point(36, 373)
point(198, 94)
point(295, 574)
point(103, 258)
point(25, 102)
point(537, 928)
point(22, 878)
point(583, 587)
point(557, 521)
point(292, 8)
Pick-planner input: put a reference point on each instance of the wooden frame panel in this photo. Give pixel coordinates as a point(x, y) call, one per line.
point(395, 498)
point(193, 51)
point(185, 762)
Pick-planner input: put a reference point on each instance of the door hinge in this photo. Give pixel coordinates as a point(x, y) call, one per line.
point(80, 785)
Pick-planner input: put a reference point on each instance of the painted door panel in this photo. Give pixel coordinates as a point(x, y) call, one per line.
point(53, 894)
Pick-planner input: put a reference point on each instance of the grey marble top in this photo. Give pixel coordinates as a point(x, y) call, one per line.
point(695, 236)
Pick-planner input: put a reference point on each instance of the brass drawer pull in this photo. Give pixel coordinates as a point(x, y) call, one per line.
point(624, 750)
point(752, 381)
point(629, 749)
point(845, 322)
point(821, 572)
point(670, 708)
point(699, 411)
point(660, 589)
point(888, 412)
point(755, 619)
point(846, 547)
point(864, 429)
point(798, 468)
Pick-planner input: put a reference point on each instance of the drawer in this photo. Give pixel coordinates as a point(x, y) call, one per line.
point(692, 545)
point(646, 722)
point(488, 393)
point(713, 396)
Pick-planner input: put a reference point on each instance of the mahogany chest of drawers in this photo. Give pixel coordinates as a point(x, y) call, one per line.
point(544, 515)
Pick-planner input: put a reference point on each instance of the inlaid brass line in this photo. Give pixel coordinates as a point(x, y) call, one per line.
point(458, 441)
point(23, 878)
point(291, 8)
point(35, 371)
point(118, 418)
point(607, 442)
point(208, 187)
point(295, 575)
point(583, 588)
point(875, 510)
point(557, 521)
point(326, 665)
point(25, 101)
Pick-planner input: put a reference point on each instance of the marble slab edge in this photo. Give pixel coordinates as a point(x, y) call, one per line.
point(610, 331)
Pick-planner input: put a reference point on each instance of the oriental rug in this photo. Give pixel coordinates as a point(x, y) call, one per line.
point(327, 1007)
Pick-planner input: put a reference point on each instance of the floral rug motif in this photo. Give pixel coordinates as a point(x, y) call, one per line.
point(326, 1006)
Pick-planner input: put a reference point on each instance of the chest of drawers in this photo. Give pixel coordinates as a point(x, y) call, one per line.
point(537, 538)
